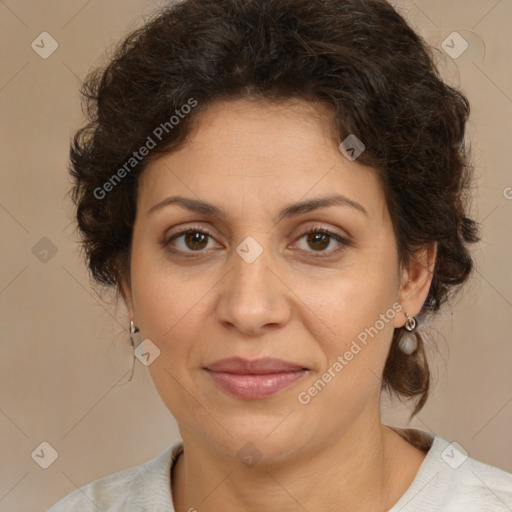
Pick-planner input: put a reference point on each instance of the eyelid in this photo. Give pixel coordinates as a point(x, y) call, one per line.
point(166, 242)
point(344, 241)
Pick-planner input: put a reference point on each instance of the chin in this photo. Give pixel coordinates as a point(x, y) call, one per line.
point(269, 440)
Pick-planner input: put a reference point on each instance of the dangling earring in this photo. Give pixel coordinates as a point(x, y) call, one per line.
point(135, 341)
point(134, 334)
point(408, 341)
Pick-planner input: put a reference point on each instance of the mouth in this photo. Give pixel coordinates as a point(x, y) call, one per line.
point(255, 379)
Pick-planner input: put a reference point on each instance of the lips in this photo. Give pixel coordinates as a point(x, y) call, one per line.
point(261, 366)
point(255, 379)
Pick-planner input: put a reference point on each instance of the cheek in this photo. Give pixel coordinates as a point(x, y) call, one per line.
point(172, 308)
point(166, 310)
point(354, 299)
point(159, 293)
point(354, 348)
point(357, 311)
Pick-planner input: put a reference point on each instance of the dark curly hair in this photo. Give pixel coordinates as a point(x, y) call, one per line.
point(358, 56)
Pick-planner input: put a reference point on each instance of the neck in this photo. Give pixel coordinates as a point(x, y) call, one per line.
point(366, 469)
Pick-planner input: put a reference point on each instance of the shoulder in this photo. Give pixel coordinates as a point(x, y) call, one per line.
point(107, 493)
point(474, 485)
point(451, 481)
point(135, 489)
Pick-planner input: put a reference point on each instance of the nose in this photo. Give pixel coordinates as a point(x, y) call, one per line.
point(253, 297)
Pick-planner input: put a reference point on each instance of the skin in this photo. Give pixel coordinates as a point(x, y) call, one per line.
point(252, 158)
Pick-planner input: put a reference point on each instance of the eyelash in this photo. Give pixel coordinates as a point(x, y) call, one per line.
point(344, 242)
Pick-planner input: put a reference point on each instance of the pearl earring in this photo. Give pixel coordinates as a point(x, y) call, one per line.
point(408, 341)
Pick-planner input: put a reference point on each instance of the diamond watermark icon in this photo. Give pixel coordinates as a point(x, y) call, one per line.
point(45, 455)
point(44, 250)
point(249, 455)
point(455, 45)
point(44, 45)
point(147, 352)
point(249, 250)
point(454, 455)
point(352, 147)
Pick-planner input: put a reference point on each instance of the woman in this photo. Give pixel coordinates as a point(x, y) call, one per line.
point(276, 189)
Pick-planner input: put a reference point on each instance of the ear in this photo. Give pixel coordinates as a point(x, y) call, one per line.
point(415, 282)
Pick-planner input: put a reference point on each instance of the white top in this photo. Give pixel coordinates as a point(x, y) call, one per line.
point(447, 481)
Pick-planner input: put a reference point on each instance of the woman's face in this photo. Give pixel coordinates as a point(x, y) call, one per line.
point(250, 283)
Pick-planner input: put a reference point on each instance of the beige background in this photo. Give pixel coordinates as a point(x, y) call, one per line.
point(66, 354)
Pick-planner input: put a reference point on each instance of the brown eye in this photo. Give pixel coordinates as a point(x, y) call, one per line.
point(188, 241)
point(317, 240)
point(196, 240)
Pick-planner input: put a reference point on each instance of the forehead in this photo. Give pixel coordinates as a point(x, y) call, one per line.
point(264, 152)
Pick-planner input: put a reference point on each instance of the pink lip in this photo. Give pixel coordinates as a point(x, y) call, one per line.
point(255, 379)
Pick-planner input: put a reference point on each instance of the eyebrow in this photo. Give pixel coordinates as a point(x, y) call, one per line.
point(288, 211)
